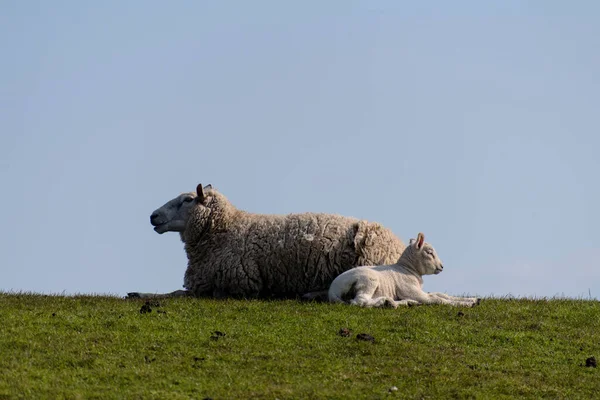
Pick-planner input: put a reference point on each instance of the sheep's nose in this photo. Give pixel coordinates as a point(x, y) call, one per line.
point(441, 266)
point(153, 218)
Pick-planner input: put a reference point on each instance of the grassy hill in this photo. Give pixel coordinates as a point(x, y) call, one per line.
point(105, 347)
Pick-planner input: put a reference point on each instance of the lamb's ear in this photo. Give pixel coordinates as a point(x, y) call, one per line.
point(200, 193)
point(209, 186)
point(420, 240)
point(411, 241)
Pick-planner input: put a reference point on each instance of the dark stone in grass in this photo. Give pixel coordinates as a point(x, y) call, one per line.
point(460, 314)
point(196, 359)
point(145, 308)
point(591, 362)
point(217, 334)
point(153, 303)
point(366, 337)
point(54, 314)
point(344, 332)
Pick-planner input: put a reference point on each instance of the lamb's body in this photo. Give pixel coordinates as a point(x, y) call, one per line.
point(397, 284)
point(235, 253)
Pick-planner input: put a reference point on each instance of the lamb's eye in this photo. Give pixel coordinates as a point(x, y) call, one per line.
point(188, 199)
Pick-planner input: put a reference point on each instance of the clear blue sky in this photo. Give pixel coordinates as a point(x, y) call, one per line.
point(474, 122)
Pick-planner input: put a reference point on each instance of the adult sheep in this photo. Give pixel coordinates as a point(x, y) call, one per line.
point(236, 253)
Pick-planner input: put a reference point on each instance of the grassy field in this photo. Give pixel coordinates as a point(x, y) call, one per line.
point(104, 347)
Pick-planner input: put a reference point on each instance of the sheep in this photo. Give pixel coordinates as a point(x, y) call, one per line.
point(399, 284)
point(234, 253)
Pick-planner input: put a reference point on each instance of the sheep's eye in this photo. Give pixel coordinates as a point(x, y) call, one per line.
point(188, 199)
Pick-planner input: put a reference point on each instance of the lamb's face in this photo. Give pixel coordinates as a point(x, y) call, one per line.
point(173, 216)
point(430, 262)
point(423, 256)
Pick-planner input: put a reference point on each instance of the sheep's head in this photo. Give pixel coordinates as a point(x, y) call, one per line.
point(173, 216)
point(422, 257)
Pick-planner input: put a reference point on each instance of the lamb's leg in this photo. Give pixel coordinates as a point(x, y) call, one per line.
point(432, 298)
point(470, 300)
point(365, 300)
point(177, 293)
point(384, 301)
point(391, 303)
point(407, 303)
point(365, 289)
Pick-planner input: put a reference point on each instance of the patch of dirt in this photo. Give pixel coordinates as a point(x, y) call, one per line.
point(591, 362)
point(344, 332)
point(366, 337)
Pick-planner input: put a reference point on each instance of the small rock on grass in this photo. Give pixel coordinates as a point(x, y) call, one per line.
point(145, 308)
point(217, 334)
point(344, 332)
point(366, 337)
point(591, 362)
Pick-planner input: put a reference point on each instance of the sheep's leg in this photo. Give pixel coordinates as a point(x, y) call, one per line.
point(177, 293)
point(407, 303)
point(456, 298)
point(315, 296)
point(365, 289)
point(384, 301)
point(366, 300)
point(432, 298)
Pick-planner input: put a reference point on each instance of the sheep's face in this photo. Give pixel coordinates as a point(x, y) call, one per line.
point(173, 216)
point(423, 257)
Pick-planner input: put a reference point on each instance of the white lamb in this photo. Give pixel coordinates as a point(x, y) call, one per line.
point(395, 285)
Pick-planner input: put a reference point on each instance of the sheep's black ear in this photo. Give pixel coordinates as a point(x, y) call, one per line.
point(420, 240)
point(200, 193)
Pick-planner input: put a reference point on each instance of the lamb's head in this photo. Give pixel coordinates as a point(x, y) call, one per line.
point(422, 257)
point(173, 215)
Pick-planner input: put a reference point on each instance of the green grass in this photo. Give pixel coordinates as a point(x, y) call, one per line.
point(103, 347)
